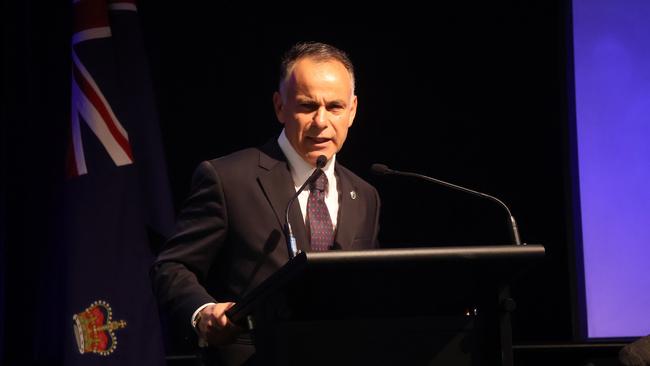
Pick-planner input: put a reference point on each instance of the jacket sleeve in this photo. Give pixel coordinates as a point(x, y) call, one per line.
point(180, 271)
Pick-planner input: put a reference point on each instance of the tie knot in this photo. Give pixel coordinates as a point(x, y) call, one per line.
point(320, 184)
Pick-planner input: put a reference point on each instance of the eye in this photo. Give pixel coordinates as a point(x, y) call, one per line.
point(307, 106)
point(335, 107)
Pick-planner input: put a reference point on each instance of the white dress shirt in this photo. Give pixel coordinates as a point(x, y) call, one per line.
point(301, 170)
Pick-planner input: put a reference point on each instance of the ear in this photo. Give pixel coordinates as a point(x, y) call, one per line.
point(277, 105)
point(353, 110)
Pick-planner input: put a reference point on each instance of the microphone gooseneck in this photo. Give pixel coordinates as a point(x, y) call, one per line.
point(381, 169)
point(292, 246)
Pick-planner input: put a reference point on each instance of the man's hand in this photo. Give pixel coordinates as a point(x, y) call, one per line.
point(214, 326)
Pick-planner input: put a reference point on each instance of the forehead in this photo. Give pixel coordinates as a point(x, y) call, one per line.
point(310, 75)
point(315, 62)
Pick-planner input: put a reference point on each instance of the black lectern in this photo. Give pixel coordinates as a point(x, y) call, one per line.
point(420, 306)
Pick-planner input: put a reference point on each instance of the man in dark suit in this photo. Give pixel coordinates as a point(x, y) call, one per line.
point(229, 236)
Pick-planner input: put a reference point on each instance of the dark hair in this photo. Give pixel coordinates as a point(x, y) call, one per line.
point(318, 52)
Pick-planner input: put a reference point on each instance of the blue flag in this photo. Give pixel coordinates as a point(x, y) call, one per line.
point(117, 197)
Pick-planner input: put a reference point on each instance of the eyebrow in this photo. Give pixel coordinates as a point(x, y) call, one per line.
point(308, 100)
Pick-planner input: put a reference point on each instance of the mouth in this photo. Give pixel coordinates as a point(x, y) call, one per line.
point(318, 141)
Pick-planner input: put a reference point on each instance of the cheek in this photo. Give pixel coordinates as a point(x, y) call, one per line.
point(341, 134)
point(295, 131)
point(292, 130)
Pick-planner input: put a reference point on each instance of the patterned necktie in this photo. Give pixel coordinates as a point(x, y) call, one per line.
point(320, 223)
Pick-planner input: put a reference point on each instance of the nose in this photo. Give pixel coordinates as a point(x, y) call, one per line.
point(320, 118)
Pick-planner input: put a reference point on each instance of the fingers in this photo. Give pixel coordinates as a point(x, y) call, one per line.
point(218, 314)
point(215, 326)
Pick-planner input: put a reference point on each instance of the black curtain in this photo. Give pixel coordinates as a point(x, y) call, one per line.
point(35, 97)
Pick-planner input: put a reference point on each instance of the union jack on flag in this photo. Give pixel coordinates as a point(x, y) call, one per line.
point(89, 103)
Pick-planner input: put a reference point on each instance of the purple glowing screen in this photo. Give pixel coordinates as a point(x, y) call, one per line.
point(612, 95)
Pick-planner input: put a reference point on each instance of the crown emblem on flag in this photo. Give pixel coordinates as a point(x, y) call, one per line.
point(94, 329)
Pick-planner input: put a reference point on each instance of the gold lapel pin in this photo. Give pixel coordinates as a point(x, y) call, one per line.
point(353, 195)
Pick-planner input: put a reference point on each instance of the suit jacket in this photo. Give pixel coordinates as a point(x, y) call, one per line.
point(229, 234)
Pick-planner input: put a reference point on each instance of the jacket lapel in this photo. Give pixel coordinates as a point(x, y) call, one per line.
point(276, 182)
point(348, 216)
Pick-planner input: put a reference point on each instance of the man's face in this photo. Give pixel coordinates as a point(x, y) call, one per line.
point(317, 106)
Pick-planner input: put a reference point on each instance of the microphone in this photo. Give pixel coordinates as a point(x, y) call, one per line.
point(292, 247)
point(381, 169)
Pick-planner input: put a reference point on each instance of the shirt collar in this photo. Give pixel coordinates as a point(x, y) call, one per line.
point(300, 169)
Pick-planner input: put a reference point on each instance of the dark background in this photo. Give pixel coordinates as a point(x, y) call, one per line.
point(476, 94)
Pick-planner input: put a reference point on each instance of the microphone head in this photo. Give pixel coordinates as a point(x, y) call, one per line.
point(380, 169)
point(321, 161)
